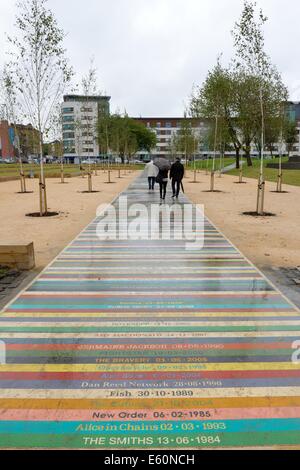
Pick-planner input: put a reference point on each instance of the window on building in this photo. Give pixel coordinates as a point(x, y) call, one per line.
point(69, 150)
point(158, 124)
point(68, 110)
point(68, 127)
point(168, 124)
point(69, 146)
point(88, 150)
point(68, 118)
point(69, 142)
point(69, 135)
point(86, 110)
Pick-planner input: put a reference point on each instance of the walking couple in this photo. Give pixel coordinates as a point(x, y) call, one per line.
point(161, 176)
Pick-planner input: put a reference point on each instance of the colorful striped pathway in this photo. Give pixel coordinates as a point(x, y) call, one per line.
point(142, 344)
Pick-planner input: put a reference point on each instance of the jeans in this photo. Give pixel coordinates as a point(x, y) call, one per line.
point(163, 189)
point(151, 181)
point(176, 186)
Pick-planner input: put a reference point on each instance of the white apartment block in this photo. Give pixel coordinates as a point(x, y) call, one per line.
point(165, 129)
point(80, 116)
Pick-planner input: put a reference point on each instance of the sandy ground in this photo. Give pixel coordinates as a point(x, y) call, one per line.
point(76, 210)
point(271, 241)
point(267, 241)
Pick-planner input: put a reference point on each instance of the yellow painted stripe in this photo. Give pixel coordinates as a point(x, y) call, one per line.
point(197, 393)
point(144, 403)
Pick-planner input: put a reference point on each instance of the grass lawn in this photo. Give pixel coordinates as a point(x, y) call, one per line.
point(203, 164)
point(51, 171)
point(289, 176)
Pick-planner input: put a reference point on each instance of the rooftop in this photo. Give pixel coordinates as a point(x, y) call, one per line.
point(86, 98)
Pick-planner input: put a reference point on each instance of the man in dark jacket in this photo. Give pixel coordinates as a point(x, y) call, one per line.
point(176, 175)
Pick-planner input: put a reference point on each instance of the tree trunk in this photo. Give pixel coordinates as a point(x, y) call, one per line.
point(248, 156)
point(237, 158)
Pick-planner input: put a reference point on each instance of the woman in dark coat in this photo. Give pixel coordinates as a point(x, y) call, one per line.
point(162, 179)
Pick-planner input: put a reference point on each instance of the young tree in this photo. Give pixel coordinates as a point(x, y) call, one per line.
point(145, 138)
point(214, 102)
point(89, 89)
point(172, 147)
point(252, 59)
point(185, 141)
point(57, 136)
point(41, 71)
point(222, 137)
point(124, 135)
point(8, 92)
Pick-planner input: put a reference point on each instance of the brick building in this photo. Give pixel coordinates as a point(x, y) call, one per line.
point(6, 141)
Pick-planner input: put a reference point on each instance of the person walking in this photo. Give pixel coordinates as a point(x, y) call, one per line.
point(152, 172)
point(163, 179)
point(176, 176)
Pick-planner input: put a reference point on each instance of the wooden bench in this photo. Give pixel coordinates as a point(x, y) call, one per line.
point(19, 256)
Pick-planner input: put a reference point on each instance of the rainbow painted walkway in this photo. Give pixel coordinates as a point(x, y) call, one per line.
point(142, 344)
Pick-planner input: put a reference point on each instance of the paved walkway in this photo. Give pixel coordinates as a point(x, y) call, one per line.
point(143, 344)
point(232, 166)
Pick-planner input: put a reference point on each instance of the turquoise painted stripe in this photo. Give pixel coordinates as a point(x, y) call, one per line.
point(149, 427)
point(145, 306)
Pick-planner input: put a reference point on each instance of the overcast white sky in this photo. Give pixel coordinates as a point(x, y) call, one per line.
point(149, 53)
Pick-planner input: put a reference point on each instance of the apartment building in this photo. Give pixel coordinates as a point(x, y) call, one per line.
point(28, 140)
point(165, 129)
point(80, 115)
point(7, 150)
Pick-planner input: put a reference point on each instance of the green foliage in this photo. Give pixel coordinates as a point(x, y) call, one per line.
point(186, 141)
point(245, 99)
point(123, 136)
point(215, 101)
point(290, 134)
